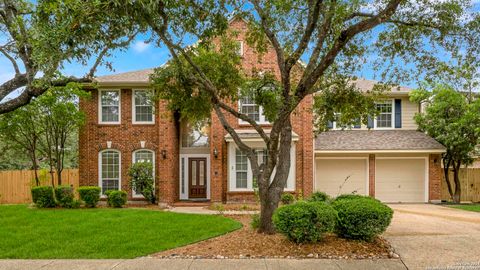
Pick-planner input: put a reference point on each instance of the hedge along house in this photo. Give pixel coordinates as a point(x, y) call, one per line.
point(202, 163)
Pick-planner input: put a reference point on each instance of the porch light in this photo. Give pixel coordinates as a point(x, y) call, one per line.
point(215, 152)
point(164, 154)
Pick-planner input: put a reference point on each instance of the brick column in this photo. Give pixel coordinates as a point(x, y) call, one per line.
point(371, 175)
point(435, 175)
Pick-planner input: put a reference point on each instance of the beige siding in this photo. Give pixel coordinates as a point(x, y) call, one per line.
point(409, 109)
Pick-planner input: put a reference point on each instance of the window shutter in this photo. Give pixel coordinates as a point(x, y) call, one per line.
point(370, 122)
point(330, 124)
point(398, 113)
point(358, 123)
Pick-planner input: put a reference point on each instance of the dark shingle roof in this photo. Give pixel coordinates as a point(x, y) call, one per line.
point(361, 140)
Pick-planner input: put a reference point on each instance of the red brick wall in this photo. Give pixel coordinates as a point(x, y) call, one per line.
point(164, 135)
point(126, 138)
point(434, 177)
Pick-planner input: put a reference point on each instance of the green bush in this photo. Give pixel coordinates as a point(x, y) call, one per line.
point(142, 181)
point(255, 223)
point(116, 198)
point(90, 195)
point(43, 196)
point(319, 197)
point(64, 196)
point(361, 218)
point(350, 197)
point(305, 221)
point(287, 198)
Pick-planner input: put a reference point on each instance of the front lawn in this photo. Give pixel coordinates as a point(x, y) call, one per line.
point(100, 233)
point(467, 207)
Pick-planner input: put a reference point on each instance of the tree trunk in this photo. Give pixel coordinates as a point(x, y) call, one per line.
point(456, 179)
point(268, 206)
point(446, 168)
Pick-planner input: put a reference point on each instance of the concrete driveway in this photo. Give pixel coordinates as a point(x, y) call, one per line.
point(426, 235)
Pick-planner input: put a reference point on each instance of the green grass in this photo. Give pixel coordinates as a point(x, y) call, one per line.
point(467, 207)
point(100, 233)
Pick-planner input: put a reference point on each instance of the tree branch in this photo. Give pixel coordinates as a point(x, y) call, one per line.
point(9, 57)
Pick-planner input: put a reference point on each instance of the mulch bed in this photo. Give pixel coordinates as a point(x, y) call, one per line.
point(235, 207)
point(247, 243)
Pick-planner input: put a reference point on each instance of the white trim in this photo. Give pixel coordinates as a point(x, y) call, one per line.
point(184, 195)
point(426, 175)
point(367, 170)
point(291, 181)
point(392, 117)
point(100, 170)
point(99, 116)
point(240, 50)
point(378, 151)
point(134, 194)
point(134, 109)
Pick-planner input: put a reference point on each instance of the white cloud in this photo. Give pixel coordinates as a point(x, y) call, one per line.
point(140, 46)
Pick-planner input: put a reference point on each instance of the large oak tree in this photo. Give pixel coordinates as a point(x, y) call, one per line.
point(333, 38)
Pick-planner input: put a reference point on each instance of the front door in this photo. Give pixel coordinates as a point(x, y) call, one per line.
point(197, 178)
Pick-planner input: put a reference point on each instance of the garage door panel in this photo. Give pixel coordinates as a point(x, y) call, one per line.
point(331, 176)
point(400, 180)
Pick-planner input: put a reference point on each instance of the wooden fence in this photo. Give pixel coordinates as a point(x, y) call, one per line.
point(470, 181)
point(15, 185)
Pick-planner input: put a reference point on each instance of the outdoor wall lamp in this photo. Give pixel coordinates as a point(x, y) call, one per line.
point(164, 154)
point(215, 152)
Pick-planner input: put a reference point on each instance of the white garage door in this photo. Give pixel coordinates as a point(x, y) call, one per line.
point(400, 180)
point(340, 176)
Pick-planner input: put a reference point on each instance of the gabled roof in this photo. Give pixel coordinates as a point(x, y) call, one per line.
point(376, 140)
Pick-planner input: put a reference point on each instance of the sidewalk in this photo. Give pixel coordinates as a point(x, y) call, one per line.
point(204, 264)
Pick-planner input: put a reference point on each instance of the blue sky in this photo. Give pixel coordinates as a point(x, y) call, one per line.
point(141, 55)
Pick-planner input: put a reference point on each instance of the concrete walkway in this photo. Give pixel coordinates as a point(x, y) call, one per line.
point(426, 235)
point(203, 264)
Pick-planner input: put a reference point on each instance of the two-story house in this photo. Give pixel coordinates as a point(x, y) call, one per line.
point(389, 159)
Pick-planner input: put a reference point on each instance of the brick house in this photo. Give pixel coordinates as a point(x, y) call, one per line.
point(389, 159)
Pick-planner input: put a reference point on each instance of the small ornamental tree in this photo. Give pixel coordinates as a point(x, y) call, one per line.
point(142, 181)
point(453, 121)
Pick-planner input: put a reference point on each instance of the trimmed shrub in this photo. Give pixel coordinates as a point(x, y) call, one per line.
point(361, 218)
point(319, 197)
point(305, 221)
point(64, 196)
point(350, 197)
point(90, 195)
point(116, 198)
point(287, 198)
point(255, 223)
point(43, 197)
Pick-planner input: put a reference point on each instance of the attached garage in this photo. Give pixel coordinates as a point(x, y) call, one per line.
point(336, 176)
point(401, 179)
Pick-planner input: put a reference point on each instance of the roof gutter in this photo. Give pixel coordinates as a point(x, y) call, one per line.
point(411, 151)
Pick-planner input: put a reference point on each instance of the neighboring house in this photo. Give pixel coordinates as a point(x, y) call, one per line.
point(392, 161)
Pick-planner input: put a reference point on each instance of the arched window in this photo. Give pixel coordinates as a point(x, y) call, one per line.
point(144, 155)
point(109, 166)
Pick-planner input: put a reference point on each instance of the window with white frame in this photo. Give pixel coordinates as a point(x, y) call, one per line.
point(335, 125)
point(109, 170)
point(385, 117)
point(144, 156)
point(110, 106)
point(252, 110)
point(142, 107)
point(240, 47)
point(241, 176)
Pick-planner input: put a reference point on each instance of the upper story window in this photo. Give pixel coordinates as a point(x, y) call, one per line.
point(385, 118)
point(109, 101)
point(195, 135)
point(240, 47)
point(335, 125)
point(142, 107)
point(252, 110)
point(109, 170)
